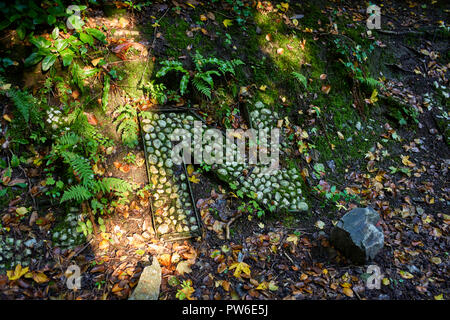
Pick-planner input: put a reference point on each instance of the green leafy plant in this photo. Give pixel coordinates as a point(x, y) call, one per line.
point(26, 103)
point(71, 148)
point(26, 15)
point(127, 125)
point(185, 291)
point(66, 49)
point(169, 66)
point(300, 78)
point(202, 79)
point(157, 91)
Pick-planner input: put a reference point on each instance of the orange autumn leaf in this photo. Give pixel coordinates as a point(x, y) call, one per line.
point(348, 292)
point(125, 168)
point(91, 118)
point(326, 89)
point(104, 244)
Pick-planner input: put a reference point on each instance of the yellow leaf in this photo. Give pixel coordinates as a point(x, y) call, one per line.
point(21, 211)
point(40, 277)
point(194, 179)
point(240, 267)
point(190, 169)
point(436, 260)
point(262, 286)
point(263, 88)
point(17, 273)
point(203, 17)
point(227, 23)
point(292, 238)
point(295, 22)
point(188, 291)
point(7, 117)
point(386, 281)
point(284, 6)
point(406, 274)
point(96, 61)
point(373, 97)
point(123, 22)
point(406, 162)
point(439, 297)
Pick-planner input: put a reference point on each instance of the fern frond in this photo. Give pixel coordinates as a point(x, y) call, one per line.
point(369, 82)
point(81, 166)
point(146, 114)
point(127, 125)
point(184, 83)
point(69, 139)
point(201, 86)
point(113, 184)
point(77, 193)
point(300, 78)
point(24, 101)
point(170, 66)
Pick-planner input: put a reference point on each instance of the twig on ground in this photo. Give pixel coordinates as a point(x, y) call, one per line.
point(227, 227)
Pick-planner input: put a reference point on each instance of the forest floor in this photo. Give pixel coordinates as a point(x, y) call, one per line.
point(356, 143)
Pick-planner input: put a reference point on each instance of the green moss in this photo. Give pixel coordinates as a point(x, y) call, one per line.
point(175, 31)
point(133, 76)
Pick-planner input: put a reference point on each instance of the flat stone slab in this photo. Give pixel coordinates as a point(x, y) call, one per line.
point(149, 283)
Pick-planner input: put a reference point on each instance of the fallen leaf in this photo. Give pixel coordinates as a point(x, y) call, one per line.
point(320, 224)
point(240, 267)
point(183, 267)
point(40, 277)
point(406, 274)
point(326, 89)
point(227, 23)
point(436, 260)
point(96, 61)
point(17, 273)
point(348, 292)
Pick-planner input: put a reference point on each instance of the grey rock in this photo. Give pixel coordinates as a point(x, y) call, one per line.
point(30, 243)
point(149, 283)
point(357, 236)
point(331, 164)
point(297, 16)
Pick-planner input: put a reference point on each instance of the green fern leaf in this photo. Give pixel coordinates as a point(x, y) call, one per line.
point(77, 193)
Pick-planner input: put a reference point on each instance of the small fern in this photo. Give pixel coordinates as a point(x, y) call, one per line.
point(77, 193)
point(67, 140)
point(370, 82)
point(23, 101)
point(202, 80)
point(127, 126)
point(113, 184)
point(300, 78)
point(81, 166)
